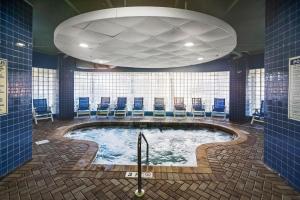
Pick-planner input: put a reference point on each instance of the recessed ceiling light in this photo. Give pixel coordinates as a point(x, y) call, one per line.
point(100, 61)
point(189, 44)
point(200, 58)
point(83, 45)
point(20, 44)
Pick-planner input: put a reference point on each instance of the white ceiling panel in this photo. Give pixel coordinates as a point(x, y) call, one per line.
point(150, 37)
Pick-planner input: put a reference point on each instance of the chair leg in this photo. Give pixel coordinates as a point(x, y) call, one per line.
point(35, 121)
point(52, 118)
point(252, 120)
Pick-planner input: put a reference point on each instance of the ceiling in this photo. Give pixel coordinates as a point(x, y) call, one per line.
point(147, 37)
point(246, 17)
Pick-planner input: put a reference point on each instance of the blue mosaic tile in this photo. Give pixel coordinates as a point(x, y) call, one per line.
point(282, 135)
point(66, 87)
point(16, 126)
point(237, 112)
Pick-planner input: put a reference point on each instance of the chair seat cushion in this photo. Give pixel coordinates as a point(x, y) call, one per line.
point(43, 112)
point(260, 115)
point(198, 107)
point(179, 107)
point(83, 107)
point(138, 106)
point(103, 106)
point(121, 107)
point(219, 109)
point(159, 107)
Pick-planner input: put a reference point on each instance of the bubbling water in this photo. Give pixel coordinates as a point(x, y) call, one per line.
point(167, 147)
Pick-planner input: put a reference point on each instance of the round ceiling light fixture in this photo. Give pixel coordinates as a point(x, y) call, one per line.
point(189, 44)
point(145, 37)
point(83, 45)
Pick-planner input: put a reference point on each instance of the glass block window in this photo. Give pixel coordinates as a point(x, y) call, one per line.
point(45, 85)
point(207, 85)
point(255, 91)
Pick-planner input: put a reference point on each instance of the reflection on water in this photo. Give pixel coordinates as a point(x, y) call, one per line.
point(167, 147)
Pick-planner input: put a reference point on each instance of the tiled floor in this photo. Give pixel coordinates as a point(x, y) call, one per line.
point(237, 173)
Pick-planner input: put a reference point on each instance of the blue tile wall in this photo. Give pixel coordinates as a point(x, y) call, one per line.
point(237, 95)
point(282, 135)
point(16, 127)
point(66, 87)
point(42, 60)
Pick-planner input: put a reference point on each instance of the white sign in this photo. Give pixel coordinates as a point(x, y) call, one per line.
point(3, 87)
point(135, 175)
point(294, 88)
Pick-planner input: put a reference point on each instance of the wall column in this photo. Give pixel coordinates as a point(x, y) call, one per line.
point(238, 73)
point(66, 87)
point(16, 125)
point(282, 135)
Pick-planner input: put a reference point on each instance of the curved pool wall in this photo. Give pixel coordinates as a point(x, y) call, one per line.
point(167, 146)
point(203, 164)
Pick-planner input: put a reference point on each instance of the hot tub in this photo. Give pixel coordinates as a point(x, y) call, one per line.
point(168, 145)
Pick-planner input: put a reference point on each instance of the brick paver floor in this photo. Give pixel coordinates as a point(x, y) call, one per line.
point(49, 175)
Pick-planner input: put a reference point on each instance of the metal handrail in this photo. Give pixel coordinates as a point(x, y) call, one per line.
point(147, 148)
point(140, 192)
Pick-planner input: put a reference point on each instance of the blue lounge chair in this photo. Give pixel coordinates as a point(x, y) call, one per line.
point(179, 107)
point(198, 108)
point(218, 109)
point(103, 107)
point(41, 110)
point(83, 107)
point(159, 109)
point(121, 107)
point(259, 115)
point(138, 107)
